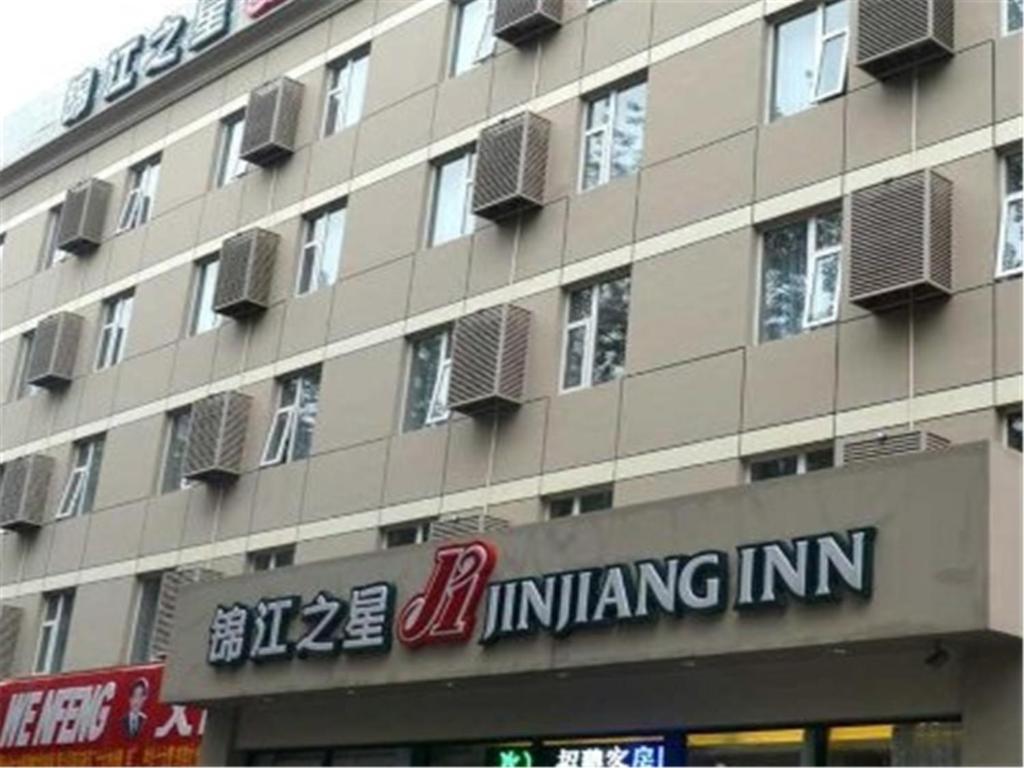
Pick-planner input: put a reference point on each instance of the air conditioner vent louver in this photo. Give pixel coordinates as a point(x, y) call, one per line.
point(489, 359)
point(901, 240)
point(171, 583)
point(10, 624)
point(511, 166)
point(23, 491)
point(464, 526)
point(246, 273)
point(270, 122)
point(887, 445)
point(216, 437)
point(519, 21)
point(51, 361)
point(80, 230)
point(896, 34)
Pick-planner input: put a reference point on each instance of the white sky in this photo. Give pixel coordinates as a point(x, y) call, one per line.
point(45, 42)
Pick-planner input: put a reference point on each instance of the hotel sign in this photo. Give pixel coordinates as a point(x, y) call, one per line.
point(143, 58)
point(814, 569)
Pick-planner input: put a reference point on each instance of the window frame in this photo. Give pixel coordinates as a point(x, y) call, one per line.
point(611, 93)
point(284, 453)
point(801, 453)
point(53, 255)
point(821, 37)
point(1006, 200)
point(228, 126)
point(468, 223)
point(19, 385)
point(590, 324)
point(143, 582)
point(576, 497)
point(140, 197)
point(271, 555)
point(421, 529)
point(203, 282)
point(487, 35)
point(441, 383)
point(113, 332)
point(174, 418)
point(311, 243)
point(81, 482)
point(340, 73)
point(1007, 418)
point(59, 627)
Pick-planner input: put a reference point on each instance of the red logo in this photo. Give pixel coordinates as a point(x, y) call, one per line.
point(256, 8)
point(445, 611)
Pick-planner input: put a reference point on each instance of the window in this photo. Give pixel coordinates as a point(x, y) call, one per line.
point(613, 135)
point(3, 242)
point(346, 89)
point(595, 334)
point(138, 203)
point(202, 318)
point(173, 478)
point(85, 472)
point(426, 401)
point(270, 559)
point(117, 313)
point(810, 54)
point(801, 267)
point(20, 386)
point(452, 214)
point(1014, 426)
point(579, 503)
point(1013, 16)
point(473, 40)
point(321, 250)
point(405, 535)
point(53, 632)
point(230, 165)
point(791, 464)
point(291, 431)
point(52, 255)
point(1011, 251)
point(146, 607)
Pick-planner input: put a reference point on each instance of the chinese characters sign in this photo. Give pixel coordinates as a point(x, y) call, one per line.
point(590, 753)
point(107, 717)
point(808, 569)
point(142, 58)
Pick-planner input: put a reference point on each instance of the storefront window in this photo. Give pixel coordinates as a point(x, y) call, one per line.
point(786, 746)
point(901, 744)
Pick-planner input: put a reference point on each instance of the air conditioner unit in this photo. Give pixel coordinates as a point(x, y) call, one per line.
point(23, 491)
point(893, 35)
point(270, 122)
point(901, 240)
point(488, 368)
point(246, 273)
point(216, 437)
point(171, 583)
point(51, 360)
point(465, 526)
point(10, 624)
point(887, 445)
point(80, 230)
point(519, 21)
point(511, 164)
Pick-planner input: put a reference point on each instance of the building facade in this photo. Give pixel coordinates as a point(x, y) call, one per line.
point(489, 382)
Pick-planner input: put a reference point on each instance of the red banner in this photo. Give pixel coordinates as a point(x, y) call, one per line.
point(102, 717)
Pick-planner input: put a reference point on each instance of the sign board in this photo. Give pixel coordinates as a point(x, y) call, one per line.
point(103, 717)
point(820, 568)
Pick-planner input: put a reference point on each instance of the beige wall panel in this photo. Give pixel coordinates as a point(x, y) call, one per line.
point(691, 401)
point(512, 80)
point(562, 56)
point(130, 457)
point(439, 275)
point(193, 362)
point(165, 520)
point(100, 624)
point(14, 306)
point(679, 482)
point(671, 17)
point(976, 203)
point(1008, 327)
point(706, 93)
point(582, 427)
point(563, 148)
point(98, 391)
point(43, 291)
point(358, 396)
point(879, 121)
point(541, 240)
point(370, 299)
point(1008, 77)
point(186, 168)
point(305, 322)
point(519, 449)
point(416, 464)
point(144, 379)
point(790, 379)
point(873, 359)
point(114, 534)
point(222, 208)
point(544, 352)
point(394, 131)
point(158, 311)
point(408, 58)
point(615, 31)
point(469, 452)
point(23, 246)
point(346, 481)
point(330, 547)
point(290, 178)
point(955, 96)
point(68, 545)
point(375, 235)
point(953, 341)
point(257, 191)
point(800, 149)
point(196, 105)
point(172, 233)
point(330, 160)
point(966, 427)
point(15, 416)
point(601, 219)
point(279, 496)
point(240, 81)
point(493, 257)
point(462, 100)
point(697, 185)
